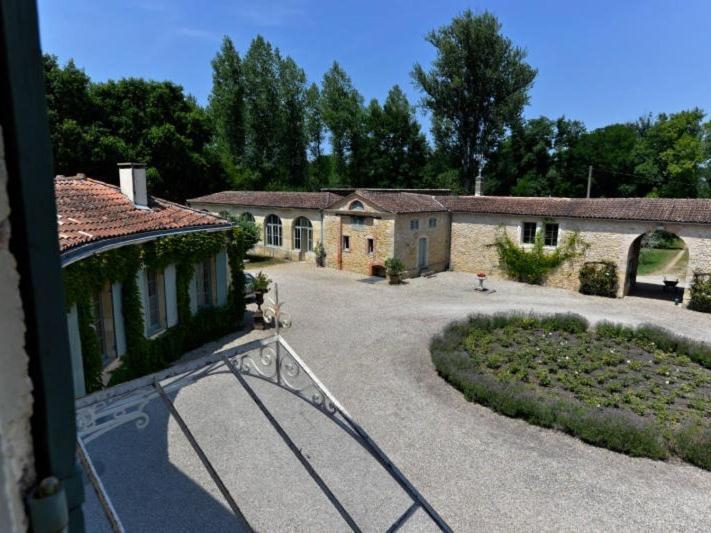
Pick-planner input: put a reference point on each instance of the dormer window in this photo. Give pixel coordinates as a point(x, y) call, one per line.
point(356, 205)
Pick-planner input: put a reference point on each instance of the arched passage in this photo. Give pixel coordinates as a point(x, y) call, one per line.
point(657, 266)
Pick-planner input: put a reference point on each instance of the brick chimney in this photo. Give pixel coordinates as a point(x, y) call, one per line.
point(133, 183)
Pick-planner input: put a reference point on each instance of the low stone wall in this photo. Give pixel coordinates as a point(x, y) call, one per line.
point(473, 236)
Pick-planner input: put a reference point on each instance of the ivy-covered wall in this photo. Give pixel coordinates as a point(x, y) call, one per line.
point(86, 277)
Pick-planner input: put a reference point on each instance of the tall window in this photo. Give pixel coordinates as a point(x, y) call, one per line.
point(550, 237)
point(155, 289)
point(356, 205)
point(104, 323)
point(205, 275)
point(346, 243)
point(272, 230)
point(303, 234)
point(528, 236)
point(370, 246)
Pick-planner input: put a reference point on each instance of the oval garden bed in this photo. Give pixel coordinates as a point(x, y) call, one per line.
point(640, 391)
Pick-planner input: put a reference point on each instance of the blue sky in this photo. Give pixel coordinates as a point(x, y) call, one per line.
point(598, 61)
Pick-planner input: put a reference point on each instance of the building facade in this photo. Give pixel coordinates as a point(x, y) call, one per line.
point(109, 237)
point(432, 231)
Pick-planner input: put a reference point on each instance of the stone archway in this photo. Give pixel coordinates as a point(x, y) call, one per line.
point(657, 266)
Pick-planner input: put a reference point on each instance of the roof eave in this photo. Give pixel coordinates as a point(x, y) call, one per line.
point(88, 249)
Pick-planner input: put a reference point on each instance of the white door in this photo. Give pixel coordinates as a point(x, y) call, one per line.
point(422, 252)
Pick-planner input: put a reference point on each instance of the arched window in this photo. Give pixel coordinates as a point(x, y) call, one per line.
point(356, 205)
point(302, 234)
point(247, 216)
point(272, 231)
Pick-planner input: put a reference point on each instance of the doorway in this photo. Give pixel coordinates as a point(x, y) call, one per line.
point(657, 266)
point(422, 252)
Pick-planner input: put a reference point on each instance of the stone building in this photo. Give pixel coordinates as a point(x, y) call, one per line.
point(359, 229)
point(434, 231)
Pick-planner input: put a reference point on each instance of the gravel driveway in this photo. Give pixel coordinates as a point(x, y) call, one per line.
point(368, 343)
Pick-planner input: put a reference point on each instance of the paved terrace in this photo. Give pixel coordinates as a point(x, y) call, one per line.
point(368, 343)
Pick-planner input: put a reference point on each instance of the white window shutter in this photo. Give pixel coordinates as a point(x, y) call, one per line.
point(221, 277)
point(119, 328)
point(75, 351)
point(192, 292)
point(171, 296)
point(143, 297)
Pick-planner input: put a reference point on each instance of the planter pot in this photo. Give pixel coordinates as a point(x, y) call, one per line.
point(395, 279)
point(320, 261)
point(259, 298)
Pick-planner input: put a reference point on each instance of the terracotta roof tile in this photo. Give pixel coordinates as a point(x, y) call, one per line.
point(89, 210)
point(686, 210)
point(402, 202)
point(302, 200)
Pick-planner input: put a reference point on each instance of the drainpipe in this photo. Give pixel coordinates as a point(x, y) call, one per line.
point(340, 243)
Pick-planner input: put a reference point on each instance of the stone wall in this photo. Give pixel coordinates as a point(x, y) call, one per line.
point(357, 258)
point(16, 458)
point(287, 216)
point(407, 240)
point(473, 236)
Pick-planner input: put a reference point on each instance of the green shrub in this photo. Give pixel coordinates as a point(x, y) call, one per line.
point(693, 444)
point(532, 265)
point(700, 291)
point(599, 279)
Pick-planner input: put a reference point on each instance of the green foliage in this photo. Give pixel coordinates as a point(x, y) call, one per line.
point(532, 265)
point(261, 282)
point(599, 279)
point(700, 290)
point(95, 125)
point(637, 391)
point(85, 278)
point(478, 84)
point(394, 266)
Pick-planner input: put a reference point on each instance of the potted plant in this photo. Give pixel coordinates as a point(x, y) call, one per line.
point(394, 268)
point(481, 276)
point(320, 252)
point(260, 285)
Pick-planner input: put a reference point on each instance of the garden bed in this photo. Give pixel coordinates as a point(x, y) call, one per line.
point(639, 391)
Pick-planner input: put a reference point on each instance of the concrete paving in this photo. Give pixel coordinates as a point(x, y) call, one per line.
point(368, 343)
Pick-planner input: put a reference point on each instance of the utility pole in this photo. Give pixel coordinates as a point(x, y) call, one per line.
point(589, 180)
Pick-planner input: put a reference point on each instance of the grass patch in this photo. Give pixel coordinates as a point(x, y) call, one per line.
point(654, 260)
point(262, 261)
point(643, 392)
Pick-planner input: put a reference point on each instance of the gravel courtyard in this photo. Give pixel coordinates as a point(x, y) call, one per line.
point(368, 343)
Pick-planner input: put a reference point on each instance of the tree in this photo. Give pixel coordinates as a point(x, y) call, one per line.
point(319, 163)
point(264, 122)
point(398, 150)
point(342, 112)
point(671, 155)
point(292, 84)
point(226, 103)
point(477, 85)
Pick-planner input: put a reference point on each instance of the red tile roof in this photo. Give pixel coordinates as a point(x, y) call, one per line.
point(298, 200)
point(401, 202)
point(681, 210)
point(90, 211)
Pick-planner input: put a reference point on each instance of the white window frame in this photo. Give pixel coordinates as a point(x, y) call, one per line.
point(557, 234)
point(160, 326)
point(206, 290)
point(523, 232)
point(273, 231)
point(356, 205)
point(298, 232)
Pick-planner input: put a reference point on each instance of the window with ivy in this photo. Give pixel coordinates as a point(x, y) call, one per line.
point(550, 237)
point(528, 234)
point(206, 290)
point(155, 289)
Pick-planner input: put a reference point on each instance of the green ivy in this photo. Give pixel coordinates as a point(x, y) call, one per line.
point(534, 264)
point(85, 278)
point(599, 279)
